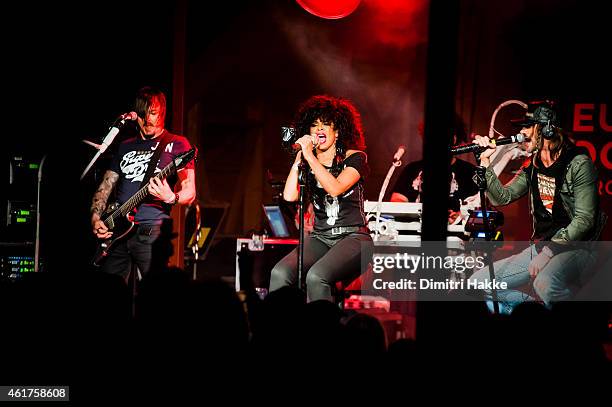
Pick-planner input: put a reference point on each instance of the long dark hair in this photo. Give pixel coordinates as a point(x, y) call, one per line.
point(559, 142)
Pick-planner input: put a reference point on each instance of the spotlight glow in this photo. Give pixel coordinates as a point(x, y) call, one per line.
point(329, 9)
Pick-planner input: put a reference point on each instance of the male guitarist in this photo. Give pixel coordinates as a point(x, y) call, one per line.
point(149, 244)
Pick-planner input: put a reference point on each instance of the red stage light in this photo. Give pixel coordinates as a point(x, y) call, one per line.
point(330, 9)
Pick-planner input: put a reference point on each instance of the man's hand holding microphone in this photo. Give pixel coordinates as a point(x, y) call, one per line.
point(485, 142)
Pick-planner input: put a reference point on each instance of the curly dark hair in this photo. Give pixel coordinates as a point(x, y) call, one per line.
point(340, 112)
point(346, 120)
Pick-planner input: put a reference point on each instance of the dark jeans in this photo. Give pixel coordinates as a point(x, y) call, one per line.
point(148, 246)
point(327, 260)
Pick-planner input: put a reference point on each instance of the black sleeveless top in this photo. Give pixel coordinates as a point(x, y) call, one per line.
point(343, 210)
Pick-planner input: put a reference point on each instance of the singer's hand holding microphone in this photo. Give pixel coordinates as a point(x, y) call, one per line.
point(486, 147)
point(306, 144)
point(485, 142)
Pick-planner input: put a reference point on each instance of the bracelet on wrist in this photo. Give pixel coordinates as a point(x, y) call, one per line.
point(174, 199)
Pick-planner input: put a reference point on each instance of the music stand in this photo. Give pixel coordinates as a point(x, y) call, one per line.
point(202, 222)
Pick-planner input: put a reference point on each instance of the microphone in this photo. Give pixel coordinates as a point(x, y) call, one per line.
point(129, 116)
point(298, 147)
point(108, 139)
point(115, 128)
point(399, 153)
point(467, 148)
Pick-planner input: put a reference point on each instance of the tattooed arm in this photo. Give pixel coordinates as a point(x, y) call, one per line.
point(99, 204)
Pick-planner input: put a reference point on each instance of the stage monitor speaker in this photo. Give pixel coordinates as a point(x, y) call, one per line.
point(256, 258)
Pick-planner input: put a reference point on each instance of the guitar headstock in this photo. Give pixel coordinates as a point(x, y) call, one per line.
point(183, 159)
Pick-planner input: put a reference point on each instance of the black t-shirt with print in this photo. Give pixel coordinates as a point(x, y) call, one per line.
point(549, 213)
point(462, 185)
point(131, 163)
point(346, 209)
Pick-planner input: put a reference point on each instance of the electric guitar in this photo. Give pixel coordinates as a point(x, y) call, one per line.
point(119, 219)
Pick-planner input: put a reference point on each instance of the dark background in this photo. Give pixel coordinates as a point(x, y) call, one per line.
point(69, 70)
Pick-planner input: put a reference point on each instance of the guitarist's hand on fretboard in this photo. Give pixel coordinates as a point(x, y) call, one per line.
point(161, 190)
point(99, 228)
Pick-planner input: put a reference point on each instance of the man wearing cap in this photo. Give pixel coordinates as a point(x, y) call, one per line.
point(561, 182)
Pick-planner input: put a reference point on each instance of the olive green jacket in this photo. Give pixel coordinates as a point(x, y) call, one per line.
point(578, 194)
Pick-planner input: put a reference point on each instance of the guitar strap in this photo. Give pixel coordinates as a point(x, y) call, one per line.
point(155, 158)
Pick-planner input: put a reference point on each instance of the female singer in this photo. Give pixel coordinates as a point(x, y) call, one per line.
point(333, 147)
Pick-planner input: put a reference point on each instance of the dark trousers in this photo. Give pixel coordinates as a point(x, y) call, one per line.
point(327, 260)
point(148, 247)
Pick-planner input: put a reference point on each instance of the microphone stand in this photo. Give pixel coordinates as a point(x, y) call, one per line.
point(110, 136)
point(37, 245)
point(481, 181)
point(302, 171)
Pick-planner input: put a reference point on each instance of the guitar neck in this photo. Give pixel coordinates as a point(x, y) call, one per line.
point(140, 196)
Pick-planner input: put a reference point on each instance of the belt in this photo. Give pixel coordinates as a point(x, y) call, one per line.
point(147, 229)
point(339, 230)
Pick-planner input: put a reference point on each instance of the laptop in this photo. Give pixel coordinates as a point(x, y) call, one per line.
point(277, 222)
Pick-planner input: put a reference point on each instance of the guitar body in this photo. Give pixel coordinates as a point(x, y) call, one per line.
point(120, 228)
point(119, 218)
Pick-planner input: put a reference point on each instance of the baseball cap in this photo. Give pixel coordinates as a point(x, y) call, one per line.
point(540, 112)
